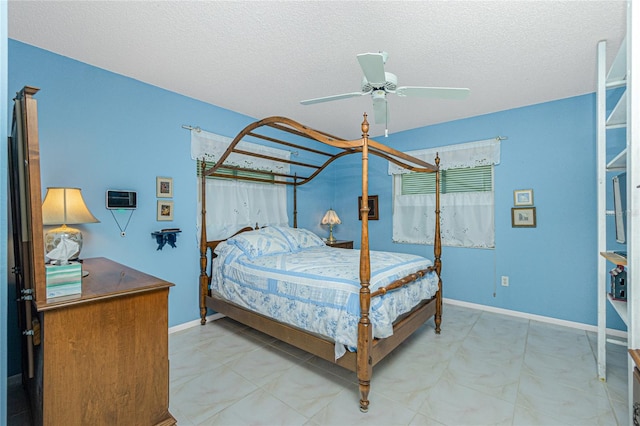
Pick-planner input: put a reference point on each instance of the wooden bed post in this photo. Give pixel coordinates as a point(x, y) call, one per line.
point(295, 200)
point(365, 333)
point(437, 250)
point(204, 279)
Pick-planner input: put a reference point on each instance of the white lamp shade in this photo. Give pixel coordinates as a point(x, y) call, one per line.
point(65, 206)
point(331, 218)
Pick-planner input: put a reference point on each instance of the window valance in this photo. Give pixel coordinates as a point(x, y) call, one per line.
point(470, 154)
point(211, 146)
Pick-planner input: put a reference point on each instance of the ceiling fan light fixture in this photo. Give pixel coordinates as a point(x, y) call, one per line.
point(379, 95)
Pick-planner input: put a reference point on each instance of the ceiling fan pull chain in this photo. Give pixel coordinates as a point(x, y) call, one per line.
point(386, 120)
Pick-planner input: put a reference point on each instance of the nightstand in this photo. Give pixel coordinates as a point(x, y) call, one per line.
point(340, 244)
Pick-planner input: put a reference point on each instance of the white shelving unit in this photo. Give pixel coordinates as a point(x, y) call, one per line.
point(625, 71)
point(615, 78)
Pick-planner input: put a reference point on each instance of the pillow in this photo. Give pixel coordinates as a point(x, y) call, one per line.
point(219, 248)
point(260, 242)
point(299, 238)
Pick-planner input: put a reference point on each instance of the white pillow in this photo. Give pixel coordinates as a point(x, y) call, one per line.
point(299, 238)
point(260, 242)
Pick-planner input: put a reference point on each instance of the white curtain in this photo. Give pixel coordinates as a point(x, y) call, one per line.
point(233, 204)
point(466, 219)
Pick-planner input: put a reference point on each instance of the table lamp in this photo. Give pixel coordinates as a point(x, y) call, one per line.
point(64, 206)
point(331, 218)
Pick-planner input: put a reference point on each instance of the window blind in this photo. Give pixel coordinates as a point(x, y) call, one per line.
point(470, 179)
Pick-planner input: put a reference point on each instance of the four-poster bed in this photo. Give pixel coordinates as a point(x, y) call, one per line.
point(376, 292)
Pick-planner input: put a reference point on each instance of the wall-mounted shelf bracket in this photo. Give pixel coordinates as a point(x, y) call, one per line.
point(166, 236)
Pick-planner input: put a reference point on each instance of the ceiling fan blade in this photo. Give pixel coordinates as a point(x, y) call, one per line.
point(333, 98)
point(372, 65)
point(433, 92)
point(380, 111)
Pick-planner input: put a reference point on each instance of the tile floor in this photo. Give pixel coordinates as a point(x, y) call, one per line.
point(484, 369)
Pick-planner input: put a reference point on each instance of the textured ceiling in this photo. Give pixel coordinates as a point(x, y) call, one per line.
point(260, 58)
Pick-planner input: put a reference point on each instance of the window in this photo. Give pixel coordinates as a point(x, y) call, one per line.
point(233, 204)
point(466, 197)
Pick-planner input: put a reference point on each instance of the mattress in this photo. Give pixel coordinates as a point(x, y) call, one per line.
point(316, 288)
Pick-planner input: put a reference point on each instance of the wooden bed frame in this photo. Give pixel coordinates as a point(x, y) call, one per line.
point(370, 351)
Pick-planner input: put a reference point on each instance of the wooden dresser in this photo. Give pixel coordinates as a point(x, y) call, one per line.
point(103, 355)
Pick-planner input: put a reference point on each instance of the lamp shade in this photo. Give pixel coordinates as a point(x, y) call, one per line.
point(331, 218)
point(65, 206)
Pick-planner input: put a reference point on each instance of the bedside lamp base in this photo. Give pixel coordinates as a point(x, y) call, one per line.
point(54, 236)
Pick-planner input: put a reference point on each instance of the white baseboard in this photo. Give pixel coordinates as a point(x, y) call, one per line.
point(540, 318)
point(189, 324)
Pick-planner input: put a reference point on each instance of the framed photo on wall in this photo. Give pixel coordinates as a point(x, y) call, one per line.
point(165, 210)
point(164, 187)
point(523, 217)
point(373, 207)
point(523, 197)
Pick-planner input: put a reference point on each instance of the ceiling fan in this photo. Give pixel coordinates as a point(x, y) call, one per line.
point(377, 82)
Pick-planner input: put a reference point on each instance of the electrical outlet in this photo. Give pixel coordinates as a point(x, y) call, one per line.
point(505, 281)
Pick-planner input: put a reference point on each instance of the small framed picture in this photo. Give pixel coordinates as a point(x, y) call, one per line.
point(523, 197)
point(164, 187)
point(165, 210)
point(373, 207)
point(523, 217)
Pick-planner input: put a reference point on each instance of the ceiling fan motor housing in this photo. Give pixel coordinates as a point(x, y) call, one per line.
point(388, 86)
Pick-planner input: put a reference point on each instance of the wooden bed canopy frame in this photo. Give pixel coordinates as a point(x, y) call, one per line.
point(369, 350)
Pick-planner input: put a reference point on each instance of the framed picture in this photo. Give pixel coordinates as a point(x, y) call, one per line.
point(373, 207)
point(523, 197)
point(523, 217)
point(164, 187)
point(165, 210)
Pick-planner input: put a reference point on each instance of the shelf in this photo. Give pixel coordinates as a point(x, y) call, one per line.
point(618, 71)
point(618, 117)
point(619, 162)
point(620, 306)
point(614, 257)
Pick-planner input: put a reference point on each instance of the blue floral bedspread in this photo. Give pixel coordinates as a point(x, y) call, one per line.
point(317, 288)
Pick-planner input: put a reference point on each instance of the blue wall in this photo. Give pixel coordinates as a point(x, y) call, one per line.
point(100, 130)
point(552, 268)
